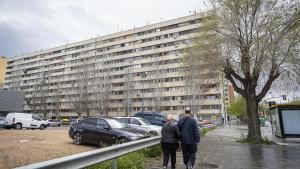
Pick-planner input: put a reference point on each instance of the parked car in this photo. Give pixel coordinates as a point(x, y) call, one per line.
point(75, 120)
point(103, 130)
point(53, 123)
point(154, 118)
point(65, 122)
point(24, 120)
point(141, 124)
point(2, 121)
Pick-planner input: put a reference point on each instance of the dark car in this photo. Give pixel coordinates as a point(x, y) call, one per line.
point(108, 131)
point(154, 118)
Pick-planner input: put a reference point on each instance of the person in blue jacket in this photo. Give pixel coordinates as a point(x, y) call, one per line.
point(189, 139)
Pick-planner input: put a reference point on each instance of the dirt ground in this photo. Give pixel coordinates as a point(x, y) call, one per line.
point(21, 147)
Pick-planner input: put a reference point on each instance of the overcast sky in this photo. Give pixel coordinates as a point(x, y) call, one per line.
point(31, 25)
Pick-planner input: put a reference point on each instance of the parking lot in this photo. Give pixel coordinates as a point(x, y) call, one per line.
point(21, 147)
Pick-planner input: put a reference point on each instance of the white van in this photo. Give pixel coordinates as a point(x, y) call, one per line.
point(24, 120)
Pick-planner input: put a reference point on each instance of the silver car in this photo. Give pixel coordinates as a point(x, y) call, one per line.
point(53, 123)
point(141, 124)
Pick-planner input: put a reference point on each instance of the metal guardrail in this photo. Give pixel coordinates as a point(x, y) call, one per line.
point(95, 156)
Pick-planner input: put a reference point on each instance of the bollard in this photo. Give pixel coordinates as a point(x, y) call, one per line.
point(114, 164)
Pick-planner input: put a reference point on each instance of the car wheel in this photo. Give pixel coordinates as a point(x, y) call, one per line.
point(18, 126)
point(122, 140)
point(77, 139)
point(153, 133)
point(42, 127)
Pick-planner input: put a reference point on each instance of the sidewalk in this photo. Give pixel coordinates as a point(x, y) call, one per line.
point(219, 149)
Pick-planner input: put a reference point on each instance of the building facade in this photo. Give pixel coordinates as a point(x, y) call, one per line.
point(118, 74)
point(3, 64)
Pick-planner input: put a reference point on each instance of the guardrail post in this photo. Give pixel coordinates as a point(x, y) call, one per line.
point(114, 163)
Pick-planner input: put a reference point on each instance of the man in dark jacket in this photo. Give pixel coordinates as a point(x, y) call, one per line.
point(190, 137)
point(169, 139)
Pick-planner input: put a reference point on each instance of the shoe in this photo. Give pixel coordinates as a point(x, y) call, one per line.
point(164, 167)
point(189, 165)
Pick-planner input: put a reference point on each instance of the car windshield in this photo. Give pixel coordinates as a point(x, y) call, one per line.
point(113, 123)
point(145, 121)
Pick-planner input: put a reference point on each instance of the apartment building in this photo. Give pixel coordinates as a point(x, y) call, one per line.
point(140, 69)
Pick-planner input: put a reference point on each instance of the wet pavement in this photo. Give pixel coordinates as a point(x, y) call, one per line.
point(219, 149)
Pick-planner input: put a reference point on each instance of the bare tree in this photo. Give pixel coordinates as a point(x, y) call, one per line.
point(56, 100)
point(101, 91)
point(81, 99)
point(253, 42)
point(38, 102)
point(200, 79)
point(158, 86)
point(128, 92)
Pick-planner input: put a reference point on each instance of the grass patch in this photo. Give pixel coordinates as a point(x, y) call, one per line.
point(203, 131)
point(135, 160)
point(244, 140)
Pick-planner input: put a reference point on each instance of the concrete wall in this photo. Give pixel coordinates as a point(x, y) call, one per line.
point(11, 101)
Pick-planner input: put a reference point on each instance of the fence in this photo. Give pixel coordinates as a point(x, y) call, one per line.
point(94, 157)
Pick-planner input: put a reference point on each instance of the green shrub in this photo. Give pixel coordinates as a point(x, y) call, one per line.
point(135, 160)
point(244, 139)
point(203, 131)
point(104, 165)
point(152, 152)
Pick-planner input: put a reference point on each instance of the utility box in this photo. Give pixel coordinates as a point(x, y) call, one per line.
point(285, 119)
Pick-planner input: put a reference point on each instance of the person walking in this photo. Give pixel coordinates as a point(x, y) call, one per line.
point(189, 139)
point(169, 142)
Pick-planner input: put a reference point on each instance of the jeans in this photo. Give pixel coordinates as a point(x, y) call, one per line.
point(188, 153)
point(169, 149)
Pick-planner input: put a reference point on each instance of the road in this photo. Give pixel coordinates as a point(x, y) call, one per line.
point(21, 147)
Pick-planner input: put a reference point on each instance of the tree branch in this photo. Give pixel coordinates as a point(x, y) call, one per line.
point(236, 88)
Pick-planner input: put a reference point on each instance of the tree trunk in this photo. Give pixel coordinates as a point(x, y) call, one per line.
point(254, 133)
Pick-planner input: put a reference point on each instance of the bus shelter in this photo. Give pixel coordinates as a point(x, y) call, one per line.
point(285, 119)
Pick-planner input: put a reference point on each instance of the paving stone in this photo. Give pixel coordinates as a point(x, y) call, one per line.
point(219, 147)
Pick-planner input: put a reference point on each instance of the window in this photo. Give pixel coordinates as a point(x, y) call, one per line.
point(159, 118)
point(135, 121)
point(101, 124)
point(90, 123)
point(34, 117)
point(145, 121)
point(115, 124)
point(124, 120)
point(148, 117)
